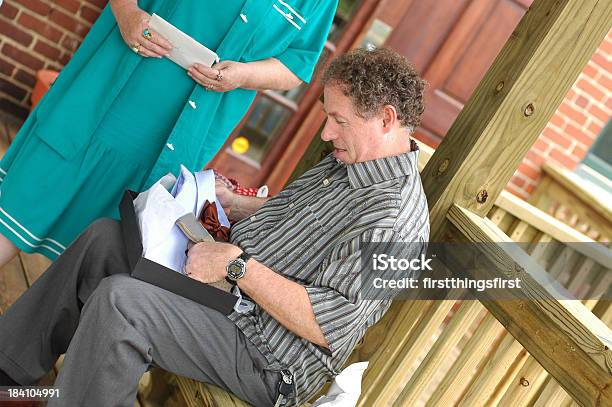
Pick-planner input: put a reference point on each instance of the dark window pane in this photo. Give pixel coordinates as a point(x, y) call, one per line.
point(597, 164)
point(263, 126)
point(602, 148)
point(346, 10)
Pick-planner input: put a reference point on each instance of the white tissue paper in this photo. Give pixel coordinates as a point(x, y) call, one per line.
point(157, 213)
point(346, 388)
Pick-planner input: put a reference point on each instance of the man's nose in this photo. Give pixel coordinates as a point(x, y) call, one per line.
point(327, 134)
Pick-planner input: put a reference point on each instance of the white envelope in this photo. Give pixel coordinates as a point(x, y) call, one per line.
point(185, 50)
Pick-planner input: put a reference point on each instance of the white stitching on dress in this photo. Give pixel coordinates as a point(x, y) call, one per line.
point(287, 16)
point(293, 11)
point(30, 233)
point(25, 241)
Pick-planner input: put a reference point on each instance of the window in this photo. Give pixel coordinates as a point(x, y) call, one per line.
point(597, 164)
point(272, 110)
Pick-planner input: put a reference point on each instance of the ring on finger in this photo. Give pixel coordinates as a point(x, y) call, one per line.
point(147, 34)
point(136, 48)
point(219, 76)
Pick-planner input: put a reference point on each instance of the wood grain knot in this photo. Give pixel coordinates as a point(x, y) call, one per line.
point(482, 196)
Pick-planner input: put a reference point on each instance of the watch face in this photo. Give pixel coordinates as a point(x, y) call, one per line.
point(234, 269)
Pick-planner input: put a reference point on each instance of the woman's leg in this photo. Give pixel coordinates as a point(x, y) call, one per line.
point(7, 250)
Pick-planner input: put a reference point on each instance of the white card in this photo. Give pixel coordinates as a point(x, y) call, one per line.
point(185, 50)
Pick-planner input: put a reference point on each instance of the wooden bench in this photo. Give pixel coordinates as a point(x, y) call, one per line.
point(459, 353)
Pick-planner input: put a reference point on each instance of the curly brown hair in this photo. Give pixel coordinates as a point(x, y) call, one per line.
point(379, 77)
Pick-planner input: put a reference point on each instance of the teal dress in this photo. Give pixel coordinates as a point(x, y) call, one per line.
point(114, 120)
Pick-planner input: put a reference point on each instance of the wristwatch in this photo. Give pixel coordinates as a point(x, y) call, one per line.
point(236, 269)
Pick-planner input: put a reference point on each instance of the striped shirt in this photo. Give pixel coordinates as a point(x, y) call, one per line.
point(312, 233)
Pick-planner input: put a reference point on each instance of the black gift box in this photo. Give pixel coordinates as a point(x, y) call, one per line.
point(156, 274)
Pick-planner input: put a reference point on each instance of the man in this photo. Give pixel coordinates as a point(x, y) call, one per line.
point(299, 261)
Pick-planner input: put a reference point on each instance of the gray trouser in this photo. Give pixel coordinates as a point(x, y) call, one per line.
point(113, 327)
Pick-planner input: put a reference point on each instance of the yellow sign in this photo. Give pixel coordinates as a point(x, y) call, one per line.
point(240, 145)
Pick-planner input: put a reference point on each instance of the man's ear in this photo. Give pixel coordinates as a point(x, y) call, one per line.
point(389, 116)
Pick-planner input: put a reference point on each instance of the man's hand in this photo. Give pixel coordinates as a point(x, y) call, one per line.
point(207, 261)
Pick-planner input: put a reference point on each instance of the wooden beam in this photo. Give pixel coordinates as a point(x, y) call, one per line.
point(555, 228)
point(12, 284)
point(587, 201)
point(591, 195)
point(512, 104)
point(571, 343)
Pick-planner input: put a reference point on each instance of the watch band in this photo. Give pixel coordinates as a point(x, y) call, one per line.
point(244, 257)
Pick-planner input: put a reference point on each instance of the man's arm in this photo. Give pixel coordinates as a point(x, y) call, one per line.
point(245, 206)
point(285, 300)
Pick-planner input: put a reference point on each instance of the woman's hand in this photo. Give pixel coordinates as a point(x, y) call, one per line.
point(222, 77)
point(133, 22)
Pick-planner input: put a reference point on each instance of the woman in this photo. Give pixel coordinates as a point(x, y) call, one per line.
point(120, 115)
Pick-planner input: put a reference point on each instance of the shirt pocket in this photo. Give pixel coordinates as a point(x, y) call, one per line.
point(280, 27)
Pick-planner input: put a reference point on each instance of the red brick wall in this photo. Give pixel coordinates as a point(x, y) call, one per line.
point(38, 34)
point(575, 125)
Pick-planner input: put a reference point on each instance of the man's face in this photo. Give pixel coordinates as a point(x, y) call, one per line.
point(355, 139)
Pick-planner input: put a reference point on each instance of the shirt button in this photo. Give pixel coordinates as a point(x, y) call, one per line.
point(170, 146)
point(253, 218)
point(326, 182)
point(244, 17)
point(291, 205)
point(192, 104)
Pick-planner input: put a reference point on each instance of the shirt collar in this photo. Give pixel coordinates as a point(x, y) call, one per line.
point(367, 173)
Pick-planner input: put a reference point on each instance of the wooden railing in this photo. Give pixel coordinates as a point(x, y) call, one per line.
point(458, 353)
point(574, 201)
